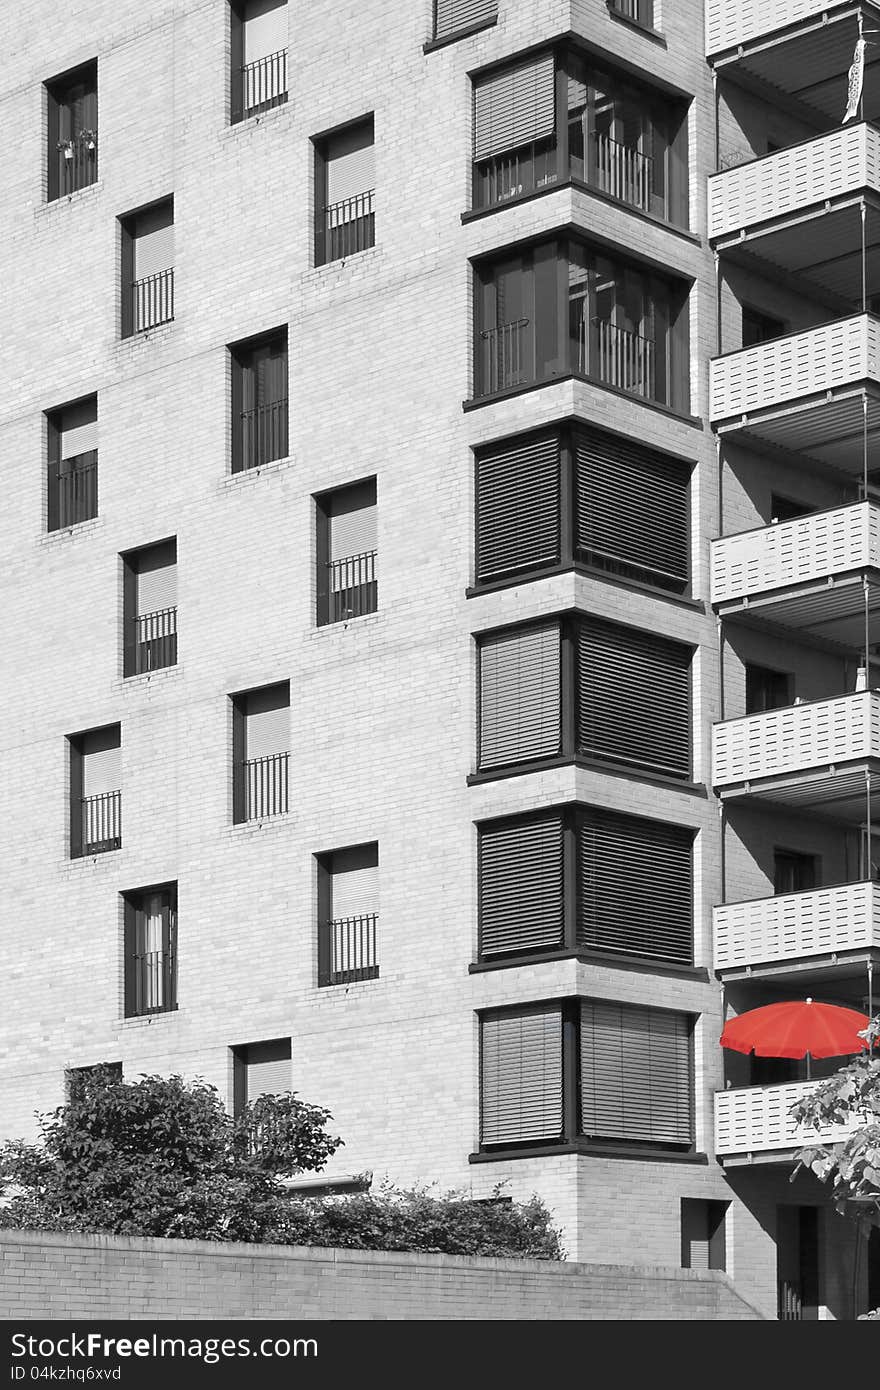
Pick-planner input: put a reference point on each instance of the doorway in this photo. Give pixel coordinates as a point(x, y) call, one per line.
point(797, 1263)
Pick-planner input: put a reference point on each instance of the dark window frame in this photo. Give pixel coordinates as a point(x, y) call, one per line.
point(239, 1068)
point(154, 648)
point(760, 327)
point(798, 864)
point(272, 76)
point(72, 484)
point(365, 935)
point(462, 30)
point(72, 158)
point(575, 821)
point(360, 597)
point(137, 985)
point(767, 688)
point(108, 815)
point(275, 786)
point(338, 241)
point(261, 432)
point(76, 1078)
point(153, 295)
point(710, 1215)
point(573, 1135)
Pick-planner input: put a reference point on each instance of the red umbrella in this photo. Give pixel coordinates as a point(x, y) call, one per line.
point(796, 1028)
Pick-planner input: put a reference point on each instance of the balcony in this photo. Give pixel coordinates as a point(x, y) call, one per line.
point(762, 206)
point(792, 928)
point(805, 574)
point(805, 391)
point(813, 754)
point(755, 1120)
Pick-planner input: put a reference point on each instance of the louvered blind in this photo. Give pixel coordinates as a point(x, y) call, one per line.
point(351, 164)
point(631, 510)
point(520, 696)
point(521, 1076)
point(156, 580)
point(267, 1069)
point(153, 242)
point(78, 429)
point(633, 698)
point(518, 512)
point(268, 722)
point(354, 890)
point(521, 903)
point(635, 1073)
point(514, 107)
point(635, 887)
point(101, 762)
point(352, 515)
point(265, 28)
point(452, 15)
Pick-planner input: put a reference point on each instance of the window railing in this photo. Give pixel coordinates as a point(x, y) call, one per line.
point(264, 83)
point(263, 434)
point(347, 950)
point(73, 495)
point(155, 640)
point(345, 228)
point(504, 356)
point(154, 984)
point(516, 172)
point(77, 162)
point(153, 300)
point(617, 356)
point(101, 821)
point(623, 172)
point(352, 590)
point(265, 786)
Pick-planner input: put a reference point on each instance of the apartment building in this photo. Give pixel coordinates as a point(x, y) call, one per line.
point(439, 559)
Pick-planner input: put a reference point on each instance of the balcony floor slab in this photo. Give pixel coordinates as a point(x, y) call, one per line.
point(830, 427)
point(830, 609)
point(838, 792)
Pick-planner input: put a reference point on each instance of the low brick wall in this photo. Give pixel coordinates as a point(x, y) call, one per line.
point(73, 1277)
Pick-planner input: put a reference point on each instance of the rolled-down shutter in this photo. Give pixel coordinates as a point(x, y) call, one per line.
point(352, 517)
point(354, 889)
point(351, 164)
point(265, 29)
point(101, 762)
point(267, 722)
point(157, 579)
point(633, 698)
point(514, 107)
point(521, 1076)
point(521, 903)
point(154, 242)
point(520, 696)
point(267, 1069)
point(452, 15)
point(632, 510)
point(78, 429)
point(518, 511)
point(635, 889)
point(635, 1073)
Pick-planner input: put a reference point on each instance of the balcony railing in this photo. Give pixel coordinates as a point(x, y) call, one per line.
point(153, 300)
point(265, 786)
point(807, 549)
point(793, 926)
point(786, 371)
point(263, 434)
point(345, 228)
point(504, 356)
point(347, 950)
point(73, 490)
point(155, 640)
point(797, 739)
point(101, 822)
point(730, 23)
point(154, 982)
point(617, 356)
point(756, 1119)
point(623, 172)
point(264, 83)
point(813, 173)
point(352, 589)
point(77, 162)
point(515, 172)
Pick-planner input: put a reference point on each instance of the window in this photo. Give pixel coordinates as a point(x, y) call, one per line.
point(556, 116)
point(787, 509)
point(348, 911)
point(149, 578)
point(630, 1067)
point(147, 268)
point(758, 327)
point(260, 1069)
point(627, 699)
point(794, 872)
point(702, 1234)
point(623, 327)
point(583, 880)
point(95, 791)
point(455, 16)
point(640, 11)
point(78, 1080)
point(72, 469)
point(260, 752)
point(150, 916)
point(766, 689)
point(346, 553)
point(259, 400)
point(344, 186)
point(72, 155)
point(626, 508)
point(258, 79)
